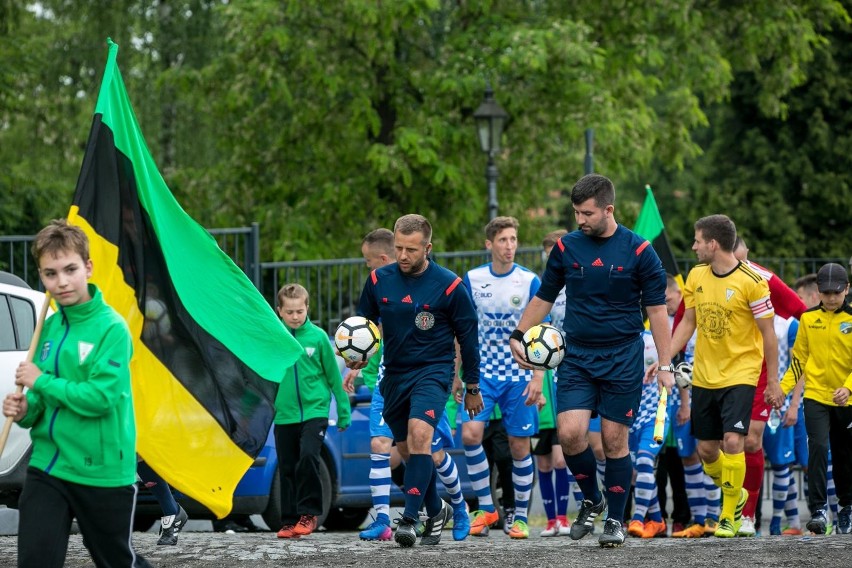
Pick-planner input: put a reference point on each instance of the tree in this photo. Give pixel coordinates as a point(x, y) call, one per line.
point(323, 120)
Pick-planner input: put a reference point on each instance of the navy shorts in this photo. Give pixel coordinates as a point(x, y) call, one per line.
point(605, 380)
point(420, 395)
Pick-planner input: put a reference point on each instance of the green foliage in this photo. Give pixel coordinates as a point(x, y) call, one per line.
point(322, 120)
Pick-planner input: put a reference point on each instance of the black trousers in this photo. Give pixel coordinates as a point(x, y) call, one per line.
point(670, 471)
point(298, 447)
point(104, 514)
point(827, 427)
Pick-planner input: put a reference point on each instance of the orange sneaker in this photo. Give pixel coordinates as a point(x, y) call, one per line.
point(692, 531)
point(480, 521)
point(792, 531)
point(287, 531)
point(636, 528)
point(306, 525)
point(655, 529)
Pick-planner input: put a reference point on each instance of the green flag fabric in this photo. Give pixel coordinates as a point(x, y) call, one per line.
point(650, 226)
point(209, 351)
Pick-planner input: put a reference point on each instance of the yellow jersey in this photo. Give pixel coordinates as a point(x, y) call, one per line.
point(729, 345)
point(823, 352)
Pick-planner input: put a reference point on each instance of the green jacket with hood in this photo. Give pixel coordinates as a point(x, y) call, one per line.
point(306, 389)
point(80, 409)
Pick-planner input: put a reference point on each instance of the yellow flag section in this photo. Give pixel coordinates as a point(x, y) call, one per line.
point(209, 351)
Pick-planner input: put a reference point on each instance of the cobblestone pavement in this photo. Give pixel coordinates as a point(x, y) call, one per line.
point(341, 549)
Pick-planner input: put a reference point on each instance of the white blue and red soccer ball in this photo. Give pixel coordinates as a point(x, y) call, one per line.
point(544, 346)
point(357, 339)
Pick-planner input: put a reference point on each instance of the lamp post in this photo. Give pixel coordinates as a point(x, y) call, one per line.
point(490, 119)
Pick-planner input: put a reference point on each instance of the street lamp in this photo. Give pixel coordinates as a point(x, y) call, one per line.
point(490, 118)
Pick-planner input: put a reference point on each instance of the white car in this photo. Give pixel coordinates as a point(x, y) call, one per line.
point(19, 308)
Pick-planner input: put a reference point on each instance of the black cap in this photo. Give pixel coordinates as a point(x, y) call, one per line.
point(832, 278)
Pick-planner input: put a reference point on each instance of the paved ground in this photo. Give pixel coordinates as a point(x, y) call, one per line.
point(341, 549)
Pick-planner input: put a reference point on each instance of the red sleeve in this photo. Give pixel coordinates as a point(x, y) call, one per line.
point(785, 301)
point(678, 317)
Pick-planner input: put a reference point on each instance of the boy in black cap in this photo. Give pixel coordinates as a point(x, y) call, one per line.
point(823, 353)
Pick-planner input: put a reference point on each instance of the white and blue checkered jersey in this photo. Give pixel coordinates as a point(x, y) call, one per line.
point(650, 392)
point(557, 312)
point(500, 299)
point(785, 331)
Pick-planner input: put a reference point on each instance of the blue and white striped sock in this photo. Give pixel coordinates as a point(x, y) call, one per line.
point(645, 485)
point(791, 505)
point(713, 496)
point(480, 476)
point(576, 492)
point(780, 488)
point(449, 475)
point(522, 479)
point(831, 490)
point(601, 470)
point(694, 477)
point(380, 484)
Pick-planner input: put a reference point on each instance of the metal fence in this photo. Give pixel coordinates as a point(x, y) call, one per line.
point(242, 244)
point(335, 285)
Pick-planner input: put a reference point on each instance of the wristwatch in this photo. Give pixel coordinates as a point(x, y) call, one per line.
point(669, 368)
point(472, 390)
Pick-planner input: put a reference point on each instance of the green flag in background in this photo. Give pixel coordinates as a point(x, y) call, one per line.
point(209, 351)
point(650, 226)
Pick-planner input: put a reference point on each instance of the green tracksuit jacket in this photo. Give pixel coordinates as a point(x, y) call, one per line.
point(306, 389)
point(80, 409)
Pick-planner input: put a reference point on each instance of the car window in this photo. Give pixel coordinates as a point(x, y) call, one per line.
point(24, 318)
point(7, 328)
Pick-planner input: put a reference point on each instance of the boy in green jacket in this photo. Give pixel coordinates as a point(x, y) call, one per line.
point(301, 415)
point(79, 408)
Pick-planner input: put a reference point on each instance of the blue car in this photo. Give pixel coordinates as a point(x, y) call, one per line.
point(344, 475)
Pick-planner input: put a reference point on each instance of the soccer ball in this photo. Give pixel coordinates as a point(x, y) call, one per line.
point(544, 346)
point(357, 338)
point(683, 375)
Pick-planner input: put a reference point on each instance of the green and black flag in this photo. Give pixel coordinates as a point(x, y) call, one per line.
point(650, 226)
point(209, 351)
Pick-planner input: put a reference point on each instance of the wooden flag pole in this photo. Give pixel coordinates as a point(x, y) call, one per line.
point(7, 427)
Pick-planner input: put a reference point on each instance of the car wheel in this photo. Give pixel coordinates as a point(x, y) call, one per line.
point(325, 483)
point(345, 519)
point(272, 514)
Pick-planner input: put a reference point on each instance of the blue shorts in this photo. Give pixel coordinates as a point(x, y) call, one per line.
point(378, 428)
point(686, 443)
point(518, 419)
point(779, 447)
point(642, 440)
point(605, 380)
point(421, 394)
point(595, 425)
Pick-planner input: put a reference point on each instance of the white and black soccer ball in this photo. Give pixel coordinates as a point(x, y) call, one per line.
point(683, 375)
point(357, 338)
point(544, 346)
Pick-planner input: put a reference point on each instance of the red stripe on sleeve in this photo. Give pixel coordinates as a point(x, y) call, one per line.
point(373, 277)
point(561, 245)
point(452, 286)
point(642, 247)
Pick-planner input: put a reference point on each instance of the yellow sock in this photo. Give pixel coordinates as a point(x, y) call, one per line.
point(732, 478)
point(714, 470)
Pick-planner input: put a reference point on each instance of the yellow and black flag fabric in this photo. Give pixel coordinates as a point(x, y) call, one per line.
point(209, 352)
point(649, 225)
